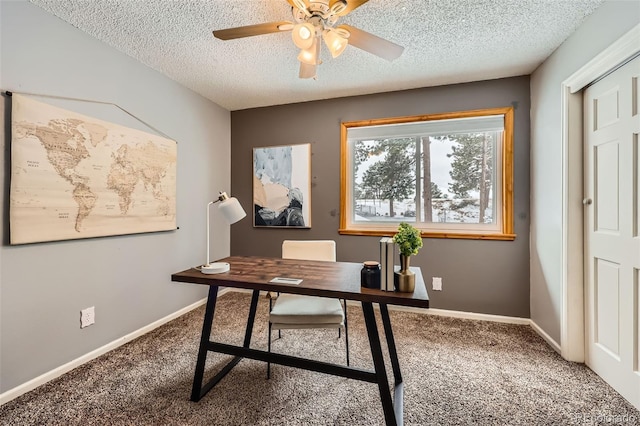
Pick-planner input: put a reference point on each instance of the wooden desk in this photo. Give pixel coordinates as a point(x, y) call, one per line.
point(326, 279)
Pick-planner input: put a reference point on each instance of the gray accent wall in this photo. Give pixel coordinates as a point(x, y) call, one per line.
point(44, 286)
point(490, 277)
point(607, 24)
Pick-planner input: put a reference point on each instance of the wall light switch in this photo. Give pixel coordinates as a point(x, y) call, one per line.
point(437, 283)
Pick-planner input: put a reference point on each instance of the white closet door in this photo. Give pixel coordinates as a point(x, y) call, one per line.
point(612, 222)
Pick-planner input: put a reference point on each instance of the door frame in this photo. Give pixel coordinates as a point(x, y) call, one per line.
point(572, 322)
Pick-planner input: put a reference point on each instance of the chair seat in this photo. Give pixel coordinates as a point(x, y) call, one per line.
point(302, 310)
point(301, 326)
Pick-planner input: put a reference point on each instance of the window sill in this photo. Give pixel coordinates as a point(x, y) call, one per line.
point(448, 235)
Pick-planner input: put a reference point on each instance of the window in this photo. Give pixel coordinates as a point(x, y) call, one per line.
point(450, 175)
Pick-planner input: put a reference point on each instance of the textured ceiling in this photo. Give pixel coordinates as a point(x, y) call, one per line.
point(446, 41)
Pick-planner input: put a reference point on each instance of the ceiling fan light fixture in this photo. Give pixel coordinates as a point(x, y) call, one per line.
point(313, 19)
point(310, 56)
point(303, 35)
point(335, 42)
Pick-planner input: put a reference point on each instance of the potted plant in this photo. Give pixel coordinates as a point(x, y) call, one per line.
point(409, 242)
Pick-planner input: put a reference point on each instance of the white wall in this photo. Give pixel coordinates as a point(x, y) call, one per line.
point(606, 25)
point(127, 278)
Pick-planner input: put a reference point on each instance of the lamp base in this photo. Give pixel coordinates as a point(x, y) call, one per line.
point(215, 268)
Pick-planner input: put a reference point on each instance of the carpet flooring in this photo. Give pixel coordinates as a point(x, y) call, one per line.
point(456, 372)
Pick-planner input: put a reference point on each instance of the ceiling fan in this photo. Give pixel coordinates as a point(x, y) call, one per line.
point(315, 19)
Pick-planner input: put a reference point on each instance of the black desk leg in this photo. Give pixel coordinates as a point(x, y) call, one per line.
point(198, 390)
point(204, 343)
point(378, 363)
point(252, 317)
point(398, 391)
point(391, 343)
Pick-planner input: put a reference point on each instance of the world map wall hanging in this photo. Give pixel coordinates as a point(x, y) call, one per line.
point(73, 176)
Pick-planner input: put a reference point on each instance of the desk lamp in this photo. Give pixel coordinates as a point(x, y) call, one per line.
point(232, 211)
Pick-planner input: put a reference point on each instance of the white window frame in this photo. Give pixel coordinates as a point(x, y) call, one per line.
point(451, 122)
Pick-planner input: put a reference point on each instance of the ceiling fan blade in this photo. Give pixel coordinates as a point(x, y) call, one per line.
point(307, 71)
point(373, 44)
point(293, 3)
point(351, 5)
point(252, 30)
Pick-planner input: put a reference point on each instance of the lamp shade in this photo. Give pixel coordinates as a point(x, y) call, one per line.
point(335, 42)
point(231, 210)
point(311, 55)
point(303, 35)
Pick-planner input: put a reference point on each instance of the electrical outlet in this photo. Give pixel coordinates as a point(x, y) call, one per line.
point(437, 283)
point(87, 317)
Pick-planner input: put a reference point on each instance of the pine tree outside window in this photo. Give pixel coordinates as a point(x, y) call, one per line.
point(450, 175)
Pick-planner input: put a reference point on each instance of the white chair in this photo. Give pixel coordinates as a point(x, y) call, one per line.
point(293, 311)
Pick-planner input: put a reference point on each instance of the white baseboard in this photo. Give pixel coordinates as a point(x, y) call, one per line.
point(59, 371)
point(546, 337)
point(464, 315)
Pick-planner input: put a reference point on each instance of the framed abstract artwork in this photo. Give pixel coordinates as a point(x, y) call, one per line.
point(282, 186)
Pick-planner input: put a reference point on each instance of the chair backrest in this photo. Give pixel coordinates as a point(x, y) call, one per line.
point(309, 250)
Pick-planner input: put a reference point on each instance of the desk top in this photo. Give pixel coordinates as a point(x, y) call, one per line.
point(320, 278)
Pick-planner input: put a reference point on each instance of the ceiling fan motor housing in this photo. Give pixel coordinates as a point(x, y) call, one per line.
point(319, 14)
